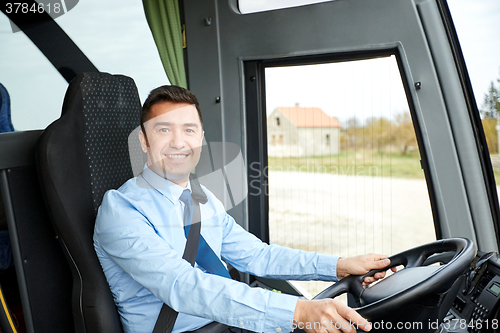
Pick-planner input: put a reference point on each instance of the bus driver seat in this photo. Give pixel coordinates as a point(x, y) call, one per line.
point(80, 156)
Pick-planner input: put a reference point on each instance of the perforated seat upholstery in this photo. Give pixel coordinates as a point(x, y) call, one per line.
point(82, 155)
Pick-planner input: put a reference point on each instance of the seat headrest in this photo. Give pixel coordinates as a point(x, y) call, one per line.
point(107, 109)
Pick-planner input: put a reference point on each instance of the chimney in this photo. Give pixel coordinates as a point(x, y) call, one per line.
point(296, 105)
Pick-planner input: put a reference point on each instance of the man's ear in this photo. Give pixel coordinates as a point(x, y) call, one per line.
point(144, 141)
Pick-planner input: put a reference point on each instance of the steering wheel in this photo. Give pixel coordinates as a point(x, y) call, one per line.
point(408, 285)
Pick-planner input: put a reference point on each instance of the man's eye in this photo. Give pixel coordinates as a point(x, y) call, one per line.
point(189, 130)
point(163, 130)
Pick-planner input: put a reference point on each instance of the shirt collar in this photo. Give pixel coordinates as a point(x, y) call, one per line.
point(167, 188)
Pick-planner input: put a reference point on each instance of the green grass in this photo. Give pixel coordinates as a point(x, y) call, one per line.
point(364, 163)
point(497, 177)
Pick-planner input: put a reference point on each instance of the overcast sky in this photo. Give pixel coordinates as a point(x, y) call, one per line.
point(360, 89)
point(115, 36)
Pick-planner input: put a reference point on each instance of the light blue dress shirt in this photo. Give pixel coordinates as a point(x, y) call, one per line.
point(139, 240)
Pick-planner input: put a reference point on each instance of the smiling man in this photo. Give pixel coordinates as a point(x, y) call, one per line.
point(140, 237)
point(174, 139)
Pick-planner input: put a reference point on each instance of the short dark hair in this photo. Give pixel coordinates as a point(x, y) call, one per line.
point(168, 93)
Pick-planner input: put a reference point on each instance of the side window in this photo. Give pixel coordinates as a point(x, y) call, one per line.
point(35, 87)
point(118, 44)
point(345, 175)
point(483, 66)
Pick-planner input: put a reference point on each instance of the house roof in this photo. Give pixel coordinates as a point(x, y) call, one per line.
point(308, 117)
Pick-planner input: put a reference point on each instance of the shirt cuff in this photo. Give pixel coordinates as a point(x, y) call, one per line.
point(327, 267)
point(279, 314)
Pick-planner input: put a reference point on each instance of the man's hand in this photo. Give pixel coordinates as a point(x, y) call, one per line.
point(327, 315)
point(360, 265)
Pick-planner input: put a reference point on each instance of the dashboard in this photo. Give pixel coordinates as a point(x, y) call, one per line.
point(476, 308)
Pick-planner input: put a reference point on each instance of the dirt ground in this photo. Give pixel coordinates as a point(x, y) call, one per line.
point(347, 215)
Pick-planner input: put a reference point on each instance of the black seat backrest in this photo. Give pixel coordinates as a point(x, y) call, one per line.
point(82, 155)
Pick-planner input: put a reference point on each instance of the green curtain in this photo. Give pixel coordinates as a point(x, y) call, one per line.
point(165, 24)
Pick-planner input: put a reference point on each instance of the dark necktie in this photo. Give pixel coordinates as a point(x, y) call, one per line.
point(206, 257)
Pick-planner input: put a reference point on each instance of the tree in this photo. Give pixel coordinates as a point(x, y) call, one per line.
point(491, 102)
point(403, 132)
point(378, 133)
point(352, 122)
point(352, 133)
point(490, 114)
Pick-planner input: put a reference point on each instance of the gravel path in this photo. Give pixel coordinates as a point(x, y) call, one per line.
point(348, 215)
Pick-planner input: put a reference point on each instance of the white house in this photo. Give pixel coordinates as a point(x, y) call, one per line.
point(301, 131)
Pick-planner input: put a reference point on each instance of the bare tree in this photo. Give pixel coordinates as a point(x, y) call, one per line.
point(403, 132)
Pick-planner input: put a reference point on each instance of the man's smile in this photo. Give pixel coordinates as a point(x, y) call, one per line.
point(177, 156)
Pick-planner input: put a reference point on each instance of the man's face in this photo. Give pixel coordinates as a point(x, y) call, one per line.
point(174, 139)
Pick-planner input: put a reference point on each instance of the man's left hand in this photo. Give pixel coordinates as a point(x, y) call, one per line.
point(362, 264)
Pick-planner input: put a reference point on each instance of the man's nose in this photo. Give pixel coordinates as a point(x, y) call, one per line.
point(177, 140)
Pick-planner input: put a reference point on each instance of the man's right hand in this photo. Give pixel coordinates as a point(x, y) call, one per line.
point(327, 315)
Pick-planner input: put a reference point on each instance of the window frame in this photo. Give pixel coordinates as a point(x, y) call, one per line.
point(256, 123)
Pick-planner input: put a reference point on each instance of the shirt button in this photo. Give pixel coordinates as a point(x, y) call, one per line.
point(240, 323)
point(278, 330)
